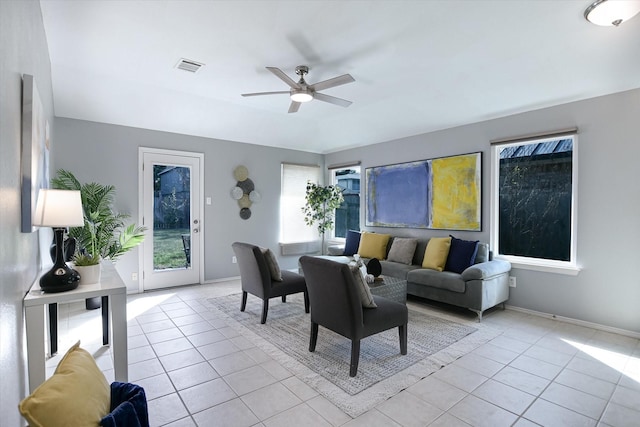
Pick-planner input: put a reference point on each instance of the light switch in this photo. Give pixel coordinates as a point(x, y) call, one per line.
point(208, 200)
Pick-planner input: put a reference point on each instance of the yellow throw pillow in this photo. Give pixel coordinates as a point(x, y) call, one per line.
point(373, 245)
point(435, 256)
point(77, 394)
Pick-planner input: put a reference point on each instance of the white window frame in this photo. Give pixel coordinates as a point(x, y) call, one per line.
point(570, 267)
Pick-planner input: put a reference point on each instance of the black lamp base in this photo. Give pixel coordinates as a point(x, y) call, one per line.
point(60, 278)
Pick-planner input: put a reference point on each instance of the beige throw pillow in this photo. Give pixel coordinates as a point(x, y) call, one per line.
point(402, 250)
point(272, 262)
point(363, 288)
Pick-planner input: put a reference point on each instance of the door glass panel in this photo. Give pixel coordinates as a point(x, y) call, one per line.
point(172, 217)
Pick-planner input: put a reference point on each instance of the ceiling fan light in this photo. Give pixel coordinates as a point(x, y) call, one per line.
point(301, 96)
point(611, 12)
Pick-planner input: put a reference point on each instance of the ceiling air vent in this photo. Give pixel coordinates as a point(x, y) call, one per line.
point(189, 65)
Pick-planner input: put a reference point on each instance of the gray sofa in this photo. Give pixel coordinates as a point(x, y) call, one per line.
point(478, 288)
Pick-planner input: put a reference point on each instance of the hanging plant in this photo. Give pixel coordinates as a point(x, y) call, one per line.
point(320, 205)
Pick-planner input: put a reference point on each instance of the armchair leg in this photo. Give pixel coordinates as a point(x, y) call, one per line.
point(284, 298)
point(402, 331)
point(355, 357)
point(265, 309)
point(306, 301)
point(313, 337)
point(243, 304)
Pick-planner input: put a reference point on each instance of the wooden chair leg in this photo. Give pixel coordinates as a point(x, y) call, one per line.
point(355, 357)
point(265, 309)
point(402, 331)
point(284, 298)
point(313, 337)
point(306, 301)
point(243, 304)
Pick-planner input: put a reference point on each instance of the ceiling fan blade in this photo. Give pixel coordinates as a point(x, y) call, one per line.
point(265, 93)
point(294, 107)
point(331, 99)
point(336, 81)
point(282, 76)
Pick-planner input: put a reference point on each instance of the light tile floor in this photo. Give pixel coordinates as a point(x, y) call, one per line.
point(197, 371)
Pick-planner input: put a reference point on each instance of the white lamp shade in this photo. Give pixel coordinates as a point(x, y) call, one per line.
point(58, 208)
point(612, 12)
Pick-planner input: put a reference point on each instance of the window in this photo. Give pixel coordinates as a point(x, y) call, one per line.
point(534, 199)
point(294, 187)
point(348, 214)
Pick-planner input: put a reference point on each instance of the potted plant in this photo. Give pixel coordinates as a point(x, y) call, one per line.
point(104, 234)
point(320, 205)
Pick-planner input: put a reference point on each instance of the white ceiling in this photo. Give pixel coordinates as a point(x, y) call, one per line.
point(419, 66)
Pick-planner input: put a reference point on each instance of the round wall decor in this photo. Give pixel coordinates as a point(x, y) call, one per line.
point(245, 213)
point(244, 191)
point(236, 193)
point(241, 173)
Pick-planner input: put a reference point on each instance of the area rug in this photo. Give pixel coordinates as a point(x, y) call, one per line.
point(433, 342)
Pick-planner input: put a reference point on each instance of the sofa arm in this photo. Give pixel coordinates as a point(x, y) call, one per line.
point(487, 269)
point(335, 249)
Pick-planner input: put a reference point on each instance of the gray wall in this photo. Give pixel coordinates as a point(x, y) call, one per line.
point(607, 290)
point(109, 154)
point(23, 50)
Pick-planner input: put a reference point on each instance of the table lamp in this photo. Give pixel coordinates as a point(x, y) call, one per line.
point(59, 209)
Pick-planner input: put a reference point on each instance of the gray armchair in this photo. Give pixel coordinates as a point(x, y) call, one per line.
point(335, 304)
point(256, 279)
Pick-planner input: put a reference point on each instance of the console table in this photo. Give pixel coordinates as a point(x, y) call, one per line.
point(114, 301)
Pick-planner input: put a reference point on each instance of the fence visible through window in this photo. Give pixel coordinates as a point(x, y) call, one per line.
point(171, 210)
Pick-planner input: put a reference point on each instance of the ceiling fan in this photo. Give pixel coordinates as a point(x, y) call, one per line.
point(303, 92)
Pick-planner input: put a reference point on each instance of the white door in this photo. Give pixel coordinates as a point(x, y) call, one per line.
point(171, 208)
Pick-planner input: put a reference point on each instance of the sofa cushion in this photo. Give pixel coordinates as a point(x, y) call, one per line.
point(373, 245)
point(395, 269)
point(362, 287)
point(435, 256)
point(437, 279)
point(351, 243)
point(77, 394)
point(462, 255)
point(402, 250)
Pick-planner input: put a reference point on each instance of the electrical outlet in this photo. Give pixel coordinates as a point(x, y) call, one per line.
point(234, 260)
point(134, 277)
point(512, 281)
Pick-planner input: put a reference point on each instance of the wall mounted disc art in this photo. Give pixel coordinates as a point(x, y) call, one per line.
point(244, 191)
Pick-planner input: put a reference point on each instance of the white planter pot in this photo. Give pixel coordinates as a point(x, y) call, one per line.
point(89, 274)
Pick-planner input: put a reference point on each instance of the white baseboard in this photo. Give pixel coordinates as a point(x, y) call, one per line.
point(584, 323)
point(224, 279)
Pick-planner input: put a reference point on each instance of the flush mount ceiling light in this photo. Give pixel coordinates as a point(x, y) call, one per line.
point(301, 95)
point(611, 12)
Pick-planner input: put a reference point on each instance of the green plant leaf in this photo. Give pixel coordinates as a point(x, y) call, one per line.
point(104, 233)
point(320, 205)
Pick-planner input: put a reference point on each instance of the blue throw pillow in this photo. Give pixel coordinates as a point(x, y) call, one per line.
point(351, 243)
point(462, 254)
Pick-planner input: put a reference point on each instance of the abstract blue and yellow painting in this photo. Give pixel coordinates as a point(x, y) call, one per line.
point(443, 193)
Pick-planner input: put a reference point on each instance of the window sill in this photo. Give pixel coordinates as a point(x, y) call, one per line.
point(547, 266)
